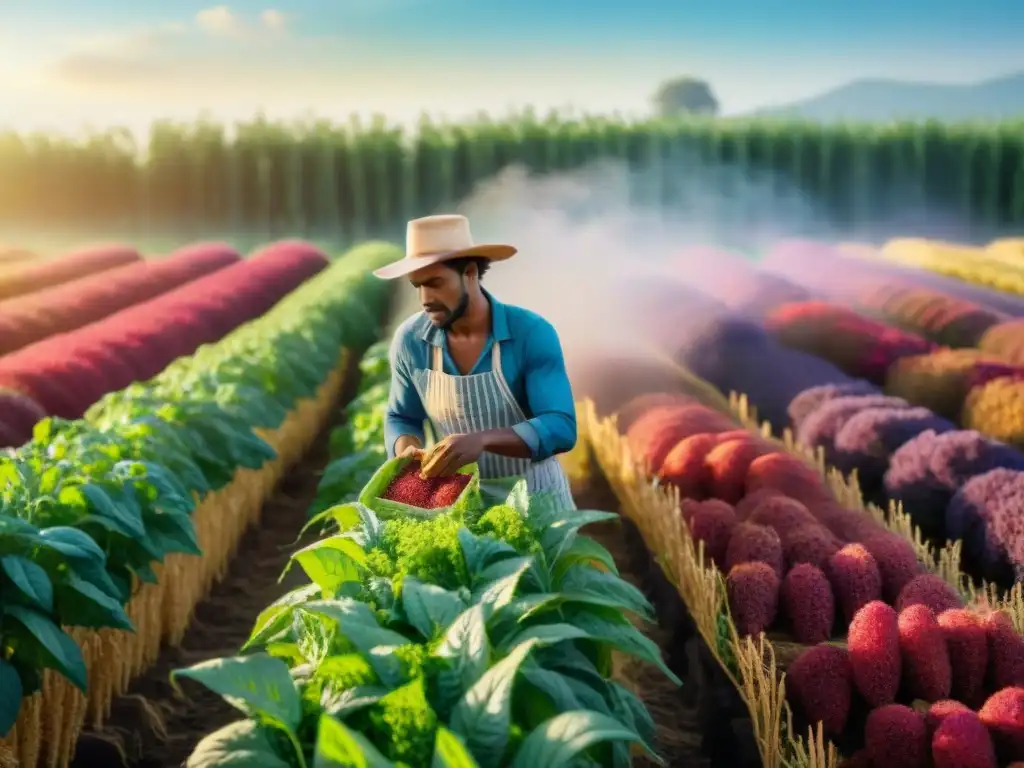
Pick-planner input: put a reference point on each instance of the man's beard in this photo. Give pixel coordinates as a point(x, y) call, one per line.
point(453, 316)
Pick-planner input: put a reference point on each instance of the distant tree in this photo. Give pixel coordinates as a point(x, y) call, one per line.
point(685, 95)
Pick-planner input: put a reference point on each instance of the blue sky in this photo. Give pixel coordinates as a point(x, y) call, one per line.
point(66, 63)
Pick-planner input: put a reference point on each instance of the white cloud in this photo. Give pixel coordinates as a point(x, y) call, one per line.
point(220, 20)
point(217, 44)
point(273, 19)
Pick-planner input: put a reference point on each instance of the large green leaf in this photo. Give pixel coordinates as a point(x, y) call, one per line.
point(519, 498)
point(495, 595)
point(242, 744)
point(481, 552)
point(72, 544)
point(374, 642)
point(552, 684)
point(11, 691)
point(618, 632)
point(80, 604)
point(38, 640)
point(341, 747)
point(559, 537)
point(257, 685)
point(277, 616)
point(349, 517)
point(467, 649)
point(429, 607)
point(546, 634)
point(584, 550)
point(559, 740)
point(176, 531)
point(77, 549)
point(572, 661)
point(332, 562)
point(126, 516)
point(482, 716)
point(506, 621)
point(345, 610)
point(30, 580)
point(628, 708)
point(16, 536)
point(450, 752)
point(582, 579)
point(531, 610)
point(565, 692)
point(343, 703)
point(313, 636)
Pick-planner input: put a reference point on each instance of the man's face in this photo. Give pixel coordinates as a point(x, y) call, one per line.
point(443, 294)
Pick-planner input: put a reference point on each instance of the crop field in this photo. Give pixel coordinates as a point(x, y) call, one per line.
point(853, 562)
point(353, 180)
point(188, 407)
point(164, 421)
point(798, 543)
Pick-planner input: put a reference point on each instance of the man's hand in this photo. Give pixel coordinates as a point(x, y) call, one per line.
point(411, 452)
point(408, 447)
point(451, 454)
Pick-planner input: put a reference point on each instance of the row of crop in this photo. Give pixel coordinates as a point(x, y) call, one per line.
point(976, 382)
point(356, 448)
point(25, 276)
point(977, 387)
point(767, 514)
point(122, 520)
point(11, 256)
point(944, 313)
point(469, 636)
point(64, 375)
point(764, 544)
point(860, 263)
point(34, 316)
point(327, 177)
point(967, 263)
point(822, 359)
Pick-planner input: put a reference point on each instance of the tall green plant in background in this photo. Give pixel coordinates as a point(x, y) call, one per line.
point(321, 178)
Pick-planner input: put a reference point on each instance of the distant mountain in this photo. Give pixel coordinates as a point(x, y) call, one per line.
point(884, 100)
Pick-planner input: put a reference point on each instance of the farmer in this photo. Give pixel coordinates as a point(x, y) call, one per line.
point(489, 378)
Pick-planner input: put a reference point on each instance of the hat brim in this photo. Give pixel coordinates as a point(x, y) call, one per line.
point(408, 265)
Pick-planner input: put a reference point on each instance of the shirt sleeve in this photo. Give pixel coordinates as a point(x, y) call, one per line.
point(552, 428)
point(405, 414)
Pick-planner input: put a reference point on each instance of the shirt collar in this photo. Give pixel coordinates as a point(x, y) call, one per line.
point(499, 324)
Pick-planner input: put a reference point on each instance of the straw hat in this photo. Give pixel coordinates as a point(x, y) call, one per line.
point(435, 239)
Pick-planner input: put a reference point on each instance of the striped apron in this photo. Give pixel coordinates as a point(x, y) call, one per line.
point(480, 402)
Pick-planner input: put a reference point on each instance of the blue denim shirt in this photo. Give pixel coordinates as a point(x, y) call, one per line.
point(531, 360)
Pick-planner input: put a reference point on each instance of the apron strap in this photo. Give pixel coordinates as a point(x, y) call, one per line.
point(437, 359)
point(496, 359)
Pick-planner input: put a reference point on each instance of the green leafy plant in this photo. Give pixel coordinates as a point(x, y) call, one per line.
point(88, 507)
point(357, 447)
point(480, 637)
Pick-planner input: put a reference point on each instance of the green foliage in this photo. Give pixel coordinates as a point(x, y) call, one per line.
point(485, 638)
point(89, 506)
point(357, 447)
point(355, 179)
point(426, 549)
point(402, 724)
point(505, 523)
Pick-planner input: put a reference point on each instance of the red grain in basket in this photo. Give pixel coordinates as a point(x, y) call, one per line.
point(408, 487)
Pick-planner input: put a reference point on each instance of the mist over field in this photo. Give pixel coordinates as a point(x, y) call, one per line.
point(609, 254)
